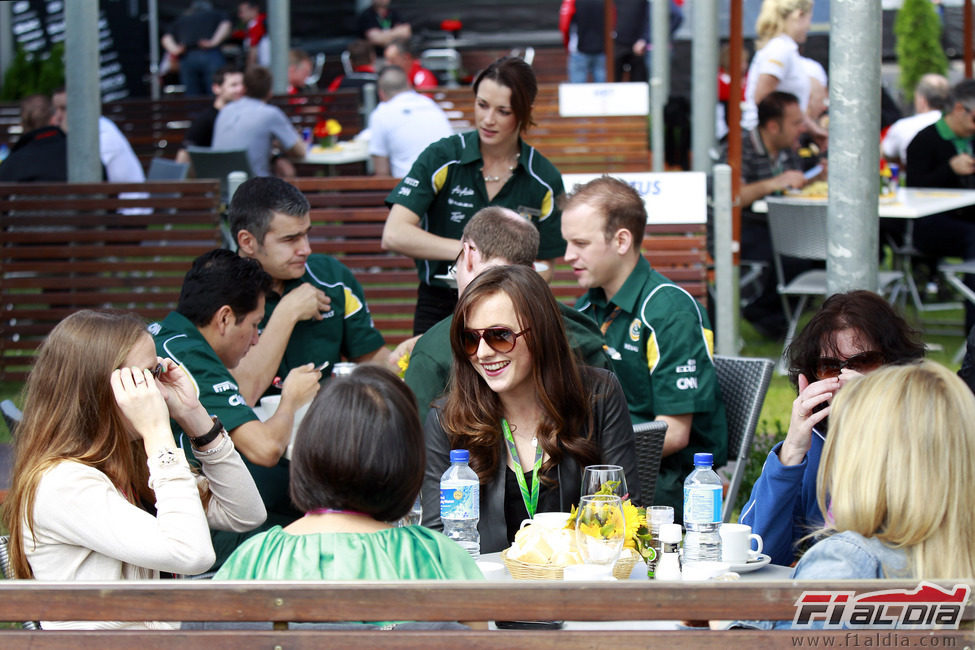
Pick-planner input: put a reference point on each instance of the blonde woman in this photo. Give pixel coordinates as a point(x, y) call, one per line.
point(101, 490)
point(895, 482)
point(782, 26)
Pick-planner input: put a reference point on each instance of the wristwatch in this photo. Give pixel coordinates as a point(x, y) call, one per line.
point(208, 437)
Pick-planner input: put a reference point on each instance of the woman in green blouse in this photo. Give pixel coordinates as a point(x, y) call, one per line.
point(357, 465)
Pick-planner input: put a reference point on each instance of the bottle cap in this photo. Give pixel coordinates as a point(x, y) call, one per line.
point(703, 459)
point(670, 533)
point(459, 456)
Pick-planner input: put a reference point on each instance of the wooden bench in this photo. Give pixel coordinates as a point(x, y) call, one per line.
point(573, 144)
point(348, 215)
point(277, 603)
point(67, 246)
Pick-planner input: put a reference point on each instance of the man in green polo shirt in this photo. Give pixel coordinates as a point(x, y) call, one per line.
point(316, 311)
point(943, 155)
point(494, 237)
point(215, 323)
point(658, 337)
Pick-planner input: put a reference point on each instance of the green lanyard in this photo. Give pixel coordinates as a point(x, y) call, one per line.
point(530, 498)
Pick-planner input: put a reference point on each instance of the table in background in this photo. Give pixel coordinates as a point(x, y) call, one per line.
point(343, 153)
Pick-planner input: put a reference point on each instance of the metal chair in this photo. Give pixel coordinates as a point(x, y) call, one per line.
point(744, 382)
point(164, 169)
point(799, 230)
point(11, 415)
point(649, 450)
point(7, 575)
point(208, 163)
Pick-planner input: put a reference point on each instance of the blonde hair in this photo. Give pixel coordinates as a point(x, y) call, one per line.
point(897, 466)
point(70, 413)
point(771, 18)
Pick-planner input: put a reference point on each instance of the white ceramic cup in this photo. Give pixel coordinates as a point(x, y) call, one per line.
point(550, 520)
point(736, 543)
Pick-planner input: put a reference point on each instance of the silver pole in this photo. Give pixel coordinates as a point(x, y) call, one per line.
point(725, 273)
point(660, 79)
point(6, 38)
point(854, 99)
point(279, 21)
point(704, 60)
point(369, 101)
point(154, 84)
point(84, 99)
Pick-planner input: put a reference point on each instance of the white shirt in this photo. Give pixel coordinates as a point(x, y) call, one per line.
point(779, 58)
point(121, 163)
point(402, 127)
point(901, 132)
point(86, 530)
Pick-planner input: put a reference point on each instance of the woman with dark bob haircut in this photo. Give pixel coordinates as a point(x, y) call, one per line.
point(455, 177)
point(356, 466)
point(521, 405)
point(853, 334)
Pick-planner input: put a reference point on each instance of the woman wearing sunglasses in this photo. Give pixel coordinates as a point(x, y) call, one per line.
point(531, 417)
point(852, 334)
point(101, 490)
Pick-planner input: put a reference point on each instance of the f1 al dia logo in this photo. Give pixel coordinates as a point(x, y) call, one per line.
point(926, 607)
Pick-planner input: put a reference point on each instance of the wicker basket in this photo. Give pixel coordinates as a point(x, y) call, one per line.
point(525, 571)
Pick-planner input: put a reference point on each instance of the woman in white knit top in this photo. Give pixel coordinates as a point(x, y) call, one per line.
point(101, 490)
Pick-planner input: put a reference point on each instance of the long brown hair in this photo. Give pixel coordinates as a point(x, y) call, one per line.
point(472, 414)
point(70, 413)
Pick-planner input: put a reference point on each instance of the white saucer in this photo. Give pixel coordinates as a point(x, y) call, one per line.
point(752, 565)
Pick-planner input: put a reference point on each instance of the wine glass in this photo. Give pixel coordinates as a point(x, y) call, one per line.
point(600, 528)
point(596, 477)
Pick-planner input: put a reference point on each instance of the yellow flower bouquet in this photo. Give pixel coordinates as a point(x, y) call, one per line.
point(326, 132)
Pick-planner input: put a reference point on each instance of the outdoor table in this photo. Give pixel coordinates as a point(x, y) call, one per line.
point(639, 573)
point(908, 203)
point(343, 153)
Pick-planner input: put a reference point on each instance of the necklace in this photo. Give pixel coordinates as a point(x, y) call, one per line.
point(495, 179)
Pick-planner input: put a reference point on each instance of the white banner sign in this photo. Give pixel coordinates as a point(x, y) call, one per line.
point(670, 197)
point(584, 100)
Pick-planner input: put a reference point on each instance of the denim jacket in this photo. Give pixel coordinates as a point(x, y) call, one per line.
point(844, 556)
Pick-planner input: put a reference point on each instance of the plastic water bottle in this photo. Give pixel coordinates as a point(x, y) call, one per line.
point(460, 503)
point(702, 511)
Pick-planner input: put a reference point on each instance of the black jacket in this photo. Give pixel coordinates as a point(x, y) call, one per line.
point(613, 432)
point(40, 155)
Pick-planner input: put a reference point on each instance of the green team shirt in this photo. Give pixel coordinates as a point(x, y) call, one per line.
point(431, 360)
point(661, 346)
point(347, 330)
point(179, 339)
point(445, 187)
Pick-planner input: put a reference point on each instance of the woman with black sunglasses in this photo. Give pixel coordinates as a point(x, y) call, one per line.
point(853, 334)
point(523, 407)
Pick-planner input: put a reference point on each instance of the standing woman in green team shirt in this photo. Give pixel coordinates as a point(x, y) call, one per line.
point(458, 175)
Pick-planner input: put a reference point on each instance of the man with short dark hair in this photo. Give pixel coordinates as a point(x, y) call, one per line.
point(214, 325)
point(228, 86)
point(658, 337)
point(299, 69)
point(251, 123)
point(402, 53)
point(494, 236)
point(41, 152)
point(317, 311)
point(403, 125)
point(769, 165)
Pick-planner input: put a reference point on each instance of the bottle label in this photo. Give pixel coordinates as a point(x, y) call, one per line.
point(702, 504)
point(459, 501)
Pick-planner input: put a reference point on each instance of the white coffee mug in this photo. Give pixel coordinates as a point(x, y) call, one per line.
point(549, 520)
point(736, 543)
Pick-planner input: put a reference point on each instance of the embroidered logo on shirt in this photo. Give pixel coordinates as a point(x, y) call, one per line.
point(691, 366)
point(462, 191)
point(635, 330)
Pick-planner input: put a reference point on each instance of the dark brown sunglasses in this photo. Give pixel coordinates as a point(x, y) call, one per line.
point(829, 367)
